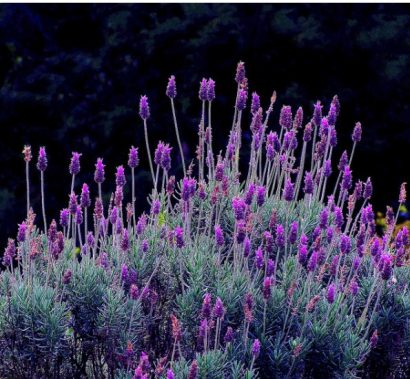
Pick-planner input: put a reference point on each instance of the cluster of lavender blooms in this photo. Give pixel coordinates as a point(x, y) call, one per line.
point(271, 273)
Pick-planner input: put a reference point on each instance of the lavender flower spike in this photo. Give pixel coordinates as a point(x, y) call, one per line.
point(99, 175)
point(256, 348)
point(330, 296)
point(42, 159)
point(144, 108)
point(203, 90)
point(120, 177)
point(210, 90)
point(240, 72)
point(242, 98)
point(171, 91)
point(75, 163)
point(133, 159)
point(357, 132)
point(288, 191)
point(285, 118)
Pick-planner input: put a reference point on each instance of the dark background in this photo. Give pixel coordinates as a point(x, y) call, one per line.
point(71, 77)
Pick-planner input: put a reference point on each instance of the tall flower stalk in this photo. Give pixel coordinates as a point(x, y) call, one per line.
point(27, 159)
point(41, 166)
point(171, 92)
point(145, 114)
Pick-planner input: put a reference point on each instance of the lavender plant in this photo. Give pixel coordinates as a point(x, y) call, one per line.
point(268, 274)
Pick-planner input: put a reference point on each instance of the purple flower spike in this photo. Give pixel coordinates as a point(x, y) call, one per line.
point(98, 209)
point(288, 191)
point(210, 91)
point(72, 204)
point(332, 115)
point(260, 195)
point(9, 253)
point(219, 309)
point(219, 170)
point(158, 153)
point(323, 218)
point(345, 244)
point(166, 158)
point(179, 237)
point(206, 306)
point(403, 193)
point(347, 178)
point(240, 231)
point(339, 220)
point(64, 216)
point(193, 370)
point(74, 167)
point(120, 177)
point(171, 91)
point(256, 103)
point(285, 118)
point(79, 216)
point(240, 72)
point(308, 181)
point(333, 137)
point(317, 114)
point(22, 230)
point(170, 374)
point(241, 102)
point(90, 240)
point(307, 133)
point(156, 207)
point(334, 264)
point(203, 90)
point(246, 247)
point(324, 127)
point(42, 159)
point(336, 103)
point(330, 296)
point(293, 234)
point(302, 254)
point(259, 260)
point(239, 208)
point(85, 196)
point(297, 122)
point(357, 132)
point(280, 236)
point(229, 335)
point(270, 267)
point(327, 168)
point(266, 288)
point(368, 189)
point(386, 266)
point(219, 237)
point(144, 108)
point(256, 348)
point(133, 159)
point(312, 262)
point(125, 241)
point(99, 175)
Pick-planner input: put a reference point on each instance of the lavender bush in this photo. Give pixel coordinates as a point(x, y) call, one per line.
point(267, 274)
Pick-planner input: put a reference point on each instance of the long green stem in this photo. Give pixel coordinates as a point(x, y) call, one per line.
point(177, 133)
point(149, 151)
point(28, 187)
point(42, 202)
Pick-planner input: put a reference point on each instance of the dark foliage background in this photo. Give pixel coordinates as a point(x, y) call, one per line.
point(71, 76)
